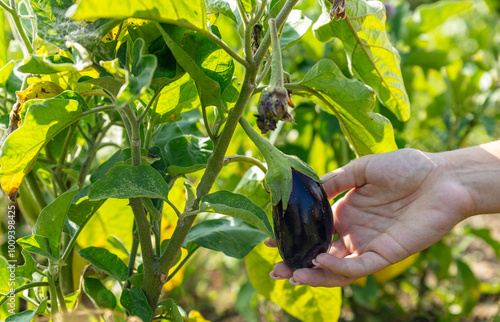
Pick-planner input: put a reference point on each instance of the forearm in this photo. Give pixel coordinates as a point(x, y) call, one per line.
point(478, 170)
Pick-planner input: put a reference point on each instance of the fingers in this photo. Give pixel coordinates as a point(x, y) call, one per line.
point(281, 271)
point(270, 242)
point(331, 271)
point(349, 176)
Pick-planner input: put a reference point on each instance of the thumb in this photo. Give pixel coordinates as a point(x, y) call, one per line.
point(349, 176)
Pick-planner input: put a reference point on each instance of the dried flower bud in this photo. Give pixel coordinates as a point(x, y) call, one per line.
point(337, 11)
point(272, 108)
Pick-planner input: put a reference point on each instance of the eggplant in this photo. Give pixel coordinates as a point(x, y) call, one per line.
point(305, 228)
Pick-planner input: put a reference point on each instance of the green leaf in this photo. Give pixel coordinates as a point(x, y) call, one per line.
point(228, 8)
point(430, 16)
point(138, 81)
point(6, 283)
point(39, 64)
point(170, 11)
point(170, 311)
point(4, 43)
point(29, 266)
point(130, 182)
point(136, 303)
point(42, 122)
point(82, 209)
point(37, 245)
point(485, 235)
point(184, 153)
point(295, 27)
point(467, 287)
point(110, 84)
point(106, 261)
point(352, 103)
point(50, 222)
point(208, 65)
point(303, 302)
point(28, 315)
point(251, 185)
point(373, 58)
point(122, 155)
point(100, 295)
point(175, 98)
point(231, 236)
point(5, 72)
point(237, 206)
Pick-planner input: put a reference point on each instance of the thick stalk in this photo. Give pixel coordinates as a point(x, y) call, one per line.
point(151, 276)
point(216, 160)
point(214, 165)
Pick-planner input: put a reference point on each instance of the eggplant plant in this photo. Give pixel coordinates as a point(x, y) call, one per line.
point(114, 109)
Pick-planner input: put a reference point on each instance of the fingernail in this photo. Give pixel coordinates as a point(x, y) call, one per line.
point(293, 282)
point(274, 276)
point(315, 263)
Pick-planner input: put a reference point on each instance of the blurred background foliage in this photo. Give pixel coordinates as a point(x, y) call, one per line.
point(450, 53)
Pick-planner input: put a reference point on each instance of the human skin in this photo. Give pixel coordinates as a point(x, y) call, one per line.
point(399, 203)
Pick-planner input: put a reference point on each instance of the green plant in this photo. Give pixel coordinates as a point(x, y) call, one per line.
point(121, 110)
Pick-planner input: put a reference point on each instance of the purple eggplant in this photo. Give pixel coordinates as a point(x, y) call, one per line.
point(305, 228)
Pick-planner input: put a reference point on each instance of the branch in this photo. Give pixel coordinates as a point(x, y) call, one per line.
point(24, 287)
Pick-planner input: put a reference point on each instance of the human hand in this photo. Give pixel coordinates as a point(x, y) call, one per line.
point(400, 203)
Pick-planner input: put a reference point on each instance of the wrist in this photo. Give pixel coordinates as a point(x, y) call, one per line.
point(477, 169)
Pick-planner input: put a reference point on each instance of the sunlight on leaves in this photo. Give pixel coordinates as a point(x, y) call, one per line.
point(191, 13)
point(42, 122)
point(352, 102)
point(373, 58)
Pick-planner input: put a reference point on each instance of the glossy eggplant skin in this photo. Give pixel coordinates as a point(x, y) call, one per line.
point(305, 228)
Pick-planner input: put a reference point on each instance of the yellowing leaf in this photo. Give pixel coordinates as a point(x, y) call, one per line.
point(42, 122)
point(306, 303)
point(43, 89)
point(170, 11)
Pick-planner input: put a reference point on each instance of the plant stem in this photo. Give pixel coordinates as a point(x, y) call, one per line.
point(280, 20)
point(276, 63)
point(216, 160)
point(214, 165)
point(66, 271)
point(265, 147)
point(242, 11)
point(64, 153)
point(151, 276)
point(53, 295)
point(24, 287)
point(93, 148)
point(148, 107)
point(17, 22)
point(133, 254)
point(35, 189)
point(259, 14)
point(184, 260)
point(244, 158)
point(207, 124)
